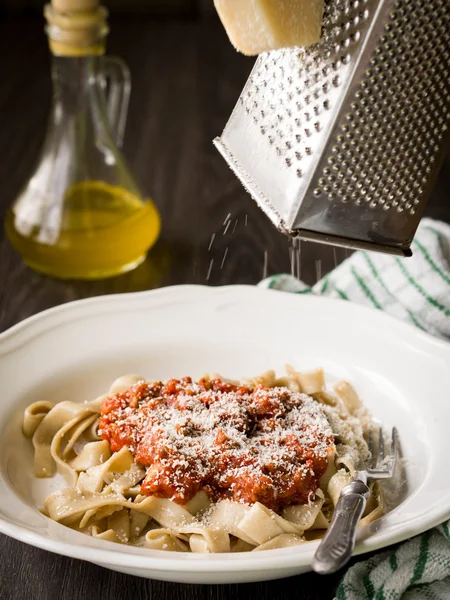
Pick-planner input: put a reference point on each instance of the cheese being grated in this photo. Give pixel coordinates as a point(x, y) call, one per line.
point(256, 26)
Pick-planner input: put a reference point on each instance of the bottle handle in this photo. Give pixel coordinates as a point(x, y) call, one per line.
point(118, 76)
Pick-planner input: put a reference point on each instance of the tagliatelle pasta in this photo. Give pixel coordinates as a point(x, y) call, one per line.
point(207, 466)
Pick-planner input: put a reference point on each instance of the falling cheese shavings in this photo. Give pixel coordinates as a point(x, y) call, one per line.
point(256, 26)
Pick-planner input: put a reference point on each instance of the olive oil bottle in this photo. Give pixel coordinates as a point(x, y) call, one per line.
point(81, 214)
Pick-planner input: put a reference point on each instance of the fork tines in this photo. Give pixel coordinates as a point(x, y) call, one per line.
point(382, 465)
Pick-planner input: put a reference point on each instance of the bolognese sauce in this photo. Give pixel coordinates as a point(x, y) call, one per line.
point(247, 444)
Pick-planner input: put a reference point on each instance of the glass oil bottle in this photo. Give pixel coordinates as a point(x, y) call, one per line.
point(81, 215)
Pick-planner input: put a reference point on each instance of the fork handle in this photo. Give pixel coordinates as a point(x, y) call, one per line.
point(337, 546)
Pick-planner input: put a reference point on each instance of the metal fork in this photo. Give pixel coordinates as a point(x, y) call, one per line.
point(337, 546)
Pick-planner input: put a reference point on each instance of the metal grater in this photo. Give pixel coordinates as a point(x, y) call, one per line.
point(340, 143)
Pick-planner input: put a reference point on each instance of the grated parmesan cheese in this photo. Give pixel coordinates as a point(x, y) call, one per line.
point(247, 444)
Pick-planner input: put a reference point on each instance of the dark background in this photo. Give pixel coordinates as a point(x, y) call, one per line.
point(185, 8)
point(186, 81)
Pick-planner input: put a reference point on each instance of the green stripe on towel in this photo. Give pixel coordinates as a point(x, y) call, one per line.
point(420, 289)
point(362, 284)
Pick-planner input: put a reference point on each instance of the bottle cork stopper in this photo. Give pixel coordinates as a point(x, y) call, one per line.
point(76, 27)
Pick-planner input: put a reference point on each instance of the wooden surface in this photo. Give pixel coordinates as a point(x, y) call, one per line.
point(186, 79)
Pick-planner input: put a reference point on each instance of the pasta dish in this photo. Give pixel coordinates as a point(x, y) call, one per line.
point(208, 466)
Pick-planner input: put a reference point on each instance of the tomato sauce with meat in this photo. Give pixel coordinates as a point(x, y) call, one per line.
point(246, 444)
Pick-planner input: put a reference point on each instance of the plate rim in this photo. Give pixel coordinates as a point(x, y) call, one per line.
point(92, 302)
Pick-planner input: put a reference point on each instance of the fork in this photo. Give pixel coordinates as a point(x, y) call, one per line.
point(337, 546)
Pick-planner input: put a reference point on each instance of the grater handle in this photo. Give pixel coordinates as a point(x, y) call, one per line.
point(118, 75)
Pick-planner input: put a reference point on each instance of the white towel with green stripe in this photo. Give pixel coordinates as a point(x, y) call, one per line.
point(416, 570)
point(416, 290)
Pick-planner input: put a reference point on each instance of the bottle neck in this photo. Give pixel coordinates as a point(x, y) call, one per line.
point(73, 78)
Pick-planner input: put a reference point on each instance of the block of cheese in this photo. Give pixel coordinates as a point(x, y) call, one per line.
point(256, 26)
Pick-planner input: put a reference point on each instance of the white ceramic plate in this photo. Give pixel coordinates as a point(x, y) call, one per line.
point(73, 352)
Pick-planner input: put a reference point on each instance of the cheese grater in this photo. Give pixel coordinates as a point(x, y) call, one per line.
point(340, 142)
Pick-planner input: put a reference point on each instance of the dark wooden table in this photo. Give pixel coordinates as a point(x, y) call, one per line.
point(186, 80)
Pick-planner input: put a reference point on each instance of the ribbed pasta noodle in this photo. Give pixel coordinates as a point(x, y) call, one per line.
point(104, 498)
